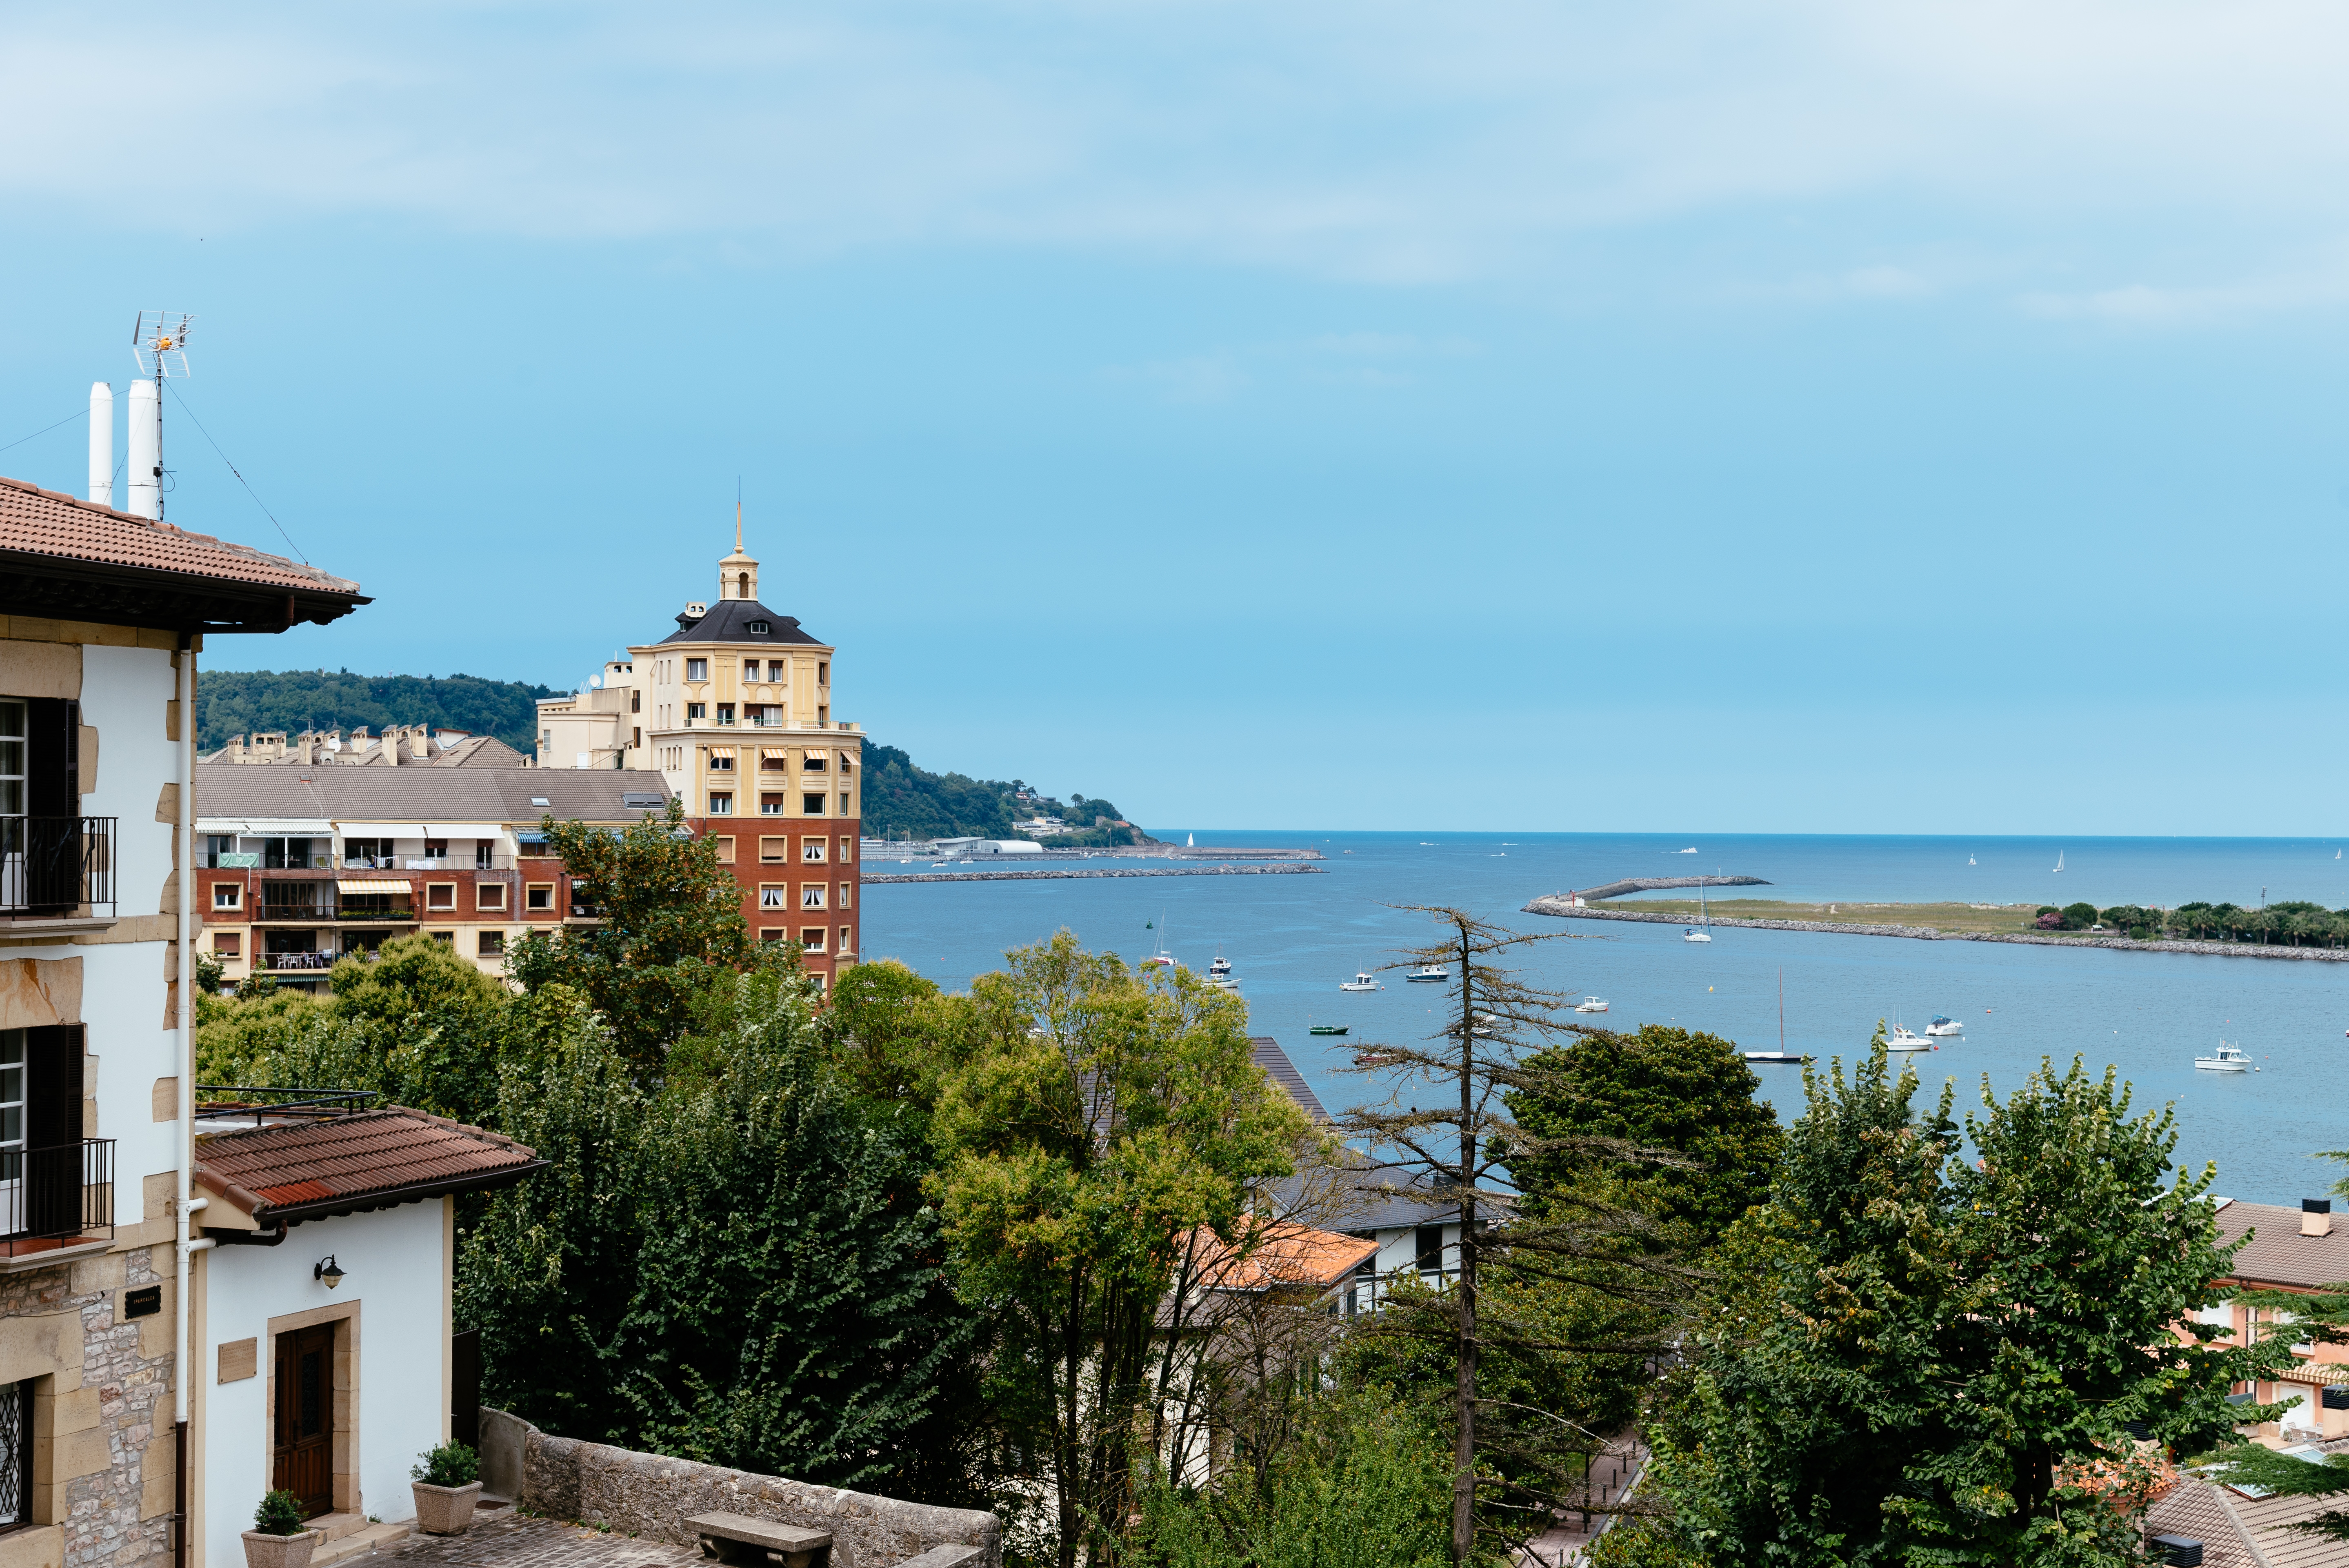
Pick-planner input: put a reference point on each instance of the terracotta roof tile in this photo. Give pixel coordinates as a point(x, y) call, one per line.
point(2278, 1254)
point(306, 1169)
point(1285, 1254)
point(35, 522)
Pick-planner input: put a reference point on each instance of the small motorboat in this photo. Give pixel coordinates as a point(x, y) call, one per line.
point(1778, 1059)
point(1328, 1029)
point(1220, 967)
point(1944, 1024)
point(1428, 972)
point(1223, 983)
point(1365, 981)
point(1906, 1039)
point(1591, 1005)
point(2229, 1060)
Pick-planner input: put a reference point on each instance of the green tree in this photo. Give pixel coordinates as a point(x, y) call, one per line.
point(2079, 916)
point(1100, 1121)
point(1911, 1350)
point(672, 914)
point(1679, 1090)
point(239, 702)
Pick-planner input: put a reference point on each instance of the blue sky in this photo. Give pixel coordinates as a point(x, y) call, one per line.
point(1795, 417)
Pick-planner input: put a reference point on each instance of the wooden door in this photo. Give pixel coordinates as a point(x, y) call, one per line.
point(306, 1417)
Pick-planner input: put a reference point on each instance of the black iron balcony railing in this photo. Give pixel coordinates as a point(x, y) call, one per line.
point(57, 865)
point(59, 1193)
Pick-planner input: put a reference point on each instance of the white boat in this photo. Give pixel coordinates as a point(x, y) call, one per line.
point(2059, 860)
point(1970, 859)
point(1906, 1039)
point(1365, 981)
point(1943, 1025)
point(1159, 957)
point(1702, 929)
point(1220, 967)
point(1591, 1005)
point(1223, 983)
point(2229, 1060)
point(1428, 973)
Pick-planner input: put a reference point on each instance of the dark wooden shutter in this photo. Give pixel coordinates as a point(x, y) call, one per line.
point(53, 757)
point(465, 1386)
point(53, 1128)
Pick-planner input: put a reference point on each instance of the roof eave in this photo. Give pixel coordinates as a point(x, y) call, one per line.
point(392, 1197)
point(110, 593)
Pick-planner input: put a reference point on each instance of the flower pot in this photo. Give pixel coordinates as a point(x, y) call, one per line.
point(265, 1550)
point(444, 1510)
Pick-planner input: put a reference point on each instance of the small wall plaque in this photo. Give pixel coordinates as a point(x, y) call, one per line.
point(239, 1360)
point(144, 1302)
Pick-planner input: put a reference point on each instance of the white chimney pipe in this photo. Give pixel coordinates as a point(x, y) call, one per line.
point(144, 481)
point(101, 443)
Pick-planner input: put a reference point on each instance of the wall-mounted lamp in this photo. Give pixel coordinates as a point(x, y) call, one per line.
point(328, 1272)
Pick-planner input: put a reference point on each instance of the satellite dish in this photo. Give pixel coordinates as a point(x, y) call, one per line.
point(593, 682)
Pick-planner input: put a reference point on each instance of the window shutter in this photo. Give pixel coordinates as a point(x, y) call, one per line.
point(53, 1086)
point(53, 757)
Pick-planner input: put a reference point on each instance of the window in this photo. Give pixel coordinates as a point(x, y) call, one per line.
point(489, 896)
point(697, 669)
point(365, 852)
point(811, 895)
point(813, 762)
point(16, 1453)
point(721, 760)
point(228, 944)
point(724, 850)
point(227, 895)
point(772, 934)
point(771, 805)
point(843, 805)
point(694, 710)
point(847, 939)
point(1428, 1243)
point(436, 848)
point(771, 895)
point(823, 672)
point(812, 851)
point(440, 895)
point(484, 853)
point(846, 901)
point(538, 895)
point(493, 944)
point(635, 738)
point(285, 855)
point(636, 705)
point(811, 938)
point(721, 803)
point(725, 712)
point(847, 849)
point(771, 850)
point(811, 805)
point(446, 938)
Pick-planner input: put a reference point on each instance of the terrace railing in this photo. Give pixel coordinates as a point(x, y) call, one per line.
point(63, 1192)
point(57, 865)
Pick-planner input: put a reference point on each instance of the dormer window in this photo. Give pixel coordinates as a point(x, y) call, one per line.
point(759, 628)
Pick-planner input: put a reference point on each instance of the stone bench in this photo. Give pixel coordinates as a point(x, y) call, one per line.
point(738, 1538)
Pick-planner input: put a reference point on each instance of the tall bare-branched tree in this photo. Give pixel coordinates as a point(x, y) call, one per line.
point(1624, 1289)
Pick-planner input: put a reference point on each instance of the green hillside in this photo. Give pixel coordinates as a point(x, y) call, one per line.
point(901, 800)
point(239, 702)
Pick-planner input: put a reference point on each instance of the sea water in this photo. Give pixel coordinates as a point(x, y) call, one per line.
point(1292, 939)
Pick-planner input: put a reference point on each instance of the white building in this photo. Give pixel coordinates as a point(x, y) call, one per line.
point(113, 1287)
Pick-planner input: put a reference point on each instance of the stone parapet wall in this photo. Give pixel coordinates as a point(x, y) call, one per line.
point(652, 1496)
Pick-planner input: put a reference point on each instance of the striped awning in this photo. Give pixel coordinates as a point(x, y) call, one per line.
point(371, 884)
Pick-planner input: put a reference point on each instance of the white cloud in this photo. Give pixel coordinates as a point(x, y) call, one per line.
point(1368, 138)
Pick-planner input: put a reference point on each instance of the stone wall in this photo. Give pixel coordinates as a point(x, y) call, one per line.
point(652, 1496)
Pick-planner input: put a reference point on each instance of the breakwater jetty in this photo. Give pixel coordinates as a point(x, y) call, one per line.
point(1054, 873)
point(1563, 908)
point(1654, 884)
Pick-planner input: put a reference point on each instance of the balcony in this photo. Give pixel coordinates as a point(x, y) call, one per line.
point(57, 866)
point(288, 962)
point(54, 1197)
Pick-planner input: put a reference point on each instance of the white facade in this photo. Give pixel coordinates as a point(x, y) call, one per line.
point(391, 1319)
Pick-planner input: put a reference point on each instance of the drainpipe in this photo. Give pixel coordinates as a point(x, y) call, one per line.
point(185, 1132)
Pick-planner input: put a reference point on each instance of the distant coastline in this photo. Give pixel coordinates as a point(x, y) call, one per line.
point(1048, 873)
point(1561, 907)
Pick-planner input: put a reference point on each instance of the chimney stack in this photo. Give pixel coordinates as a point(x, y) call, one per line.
point(101, 443)
point(145, 432)
point(2316, 1216)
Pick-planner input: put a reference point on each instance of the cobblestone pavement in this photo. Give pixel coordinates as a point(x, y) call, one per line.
point(505, 1539)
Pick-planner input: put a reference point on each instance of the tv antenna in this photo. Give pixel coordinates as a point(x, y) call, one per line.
point(160, 336)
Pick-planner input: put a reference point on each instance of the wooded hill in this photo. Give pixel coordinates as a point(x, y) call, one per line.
point(239, 702)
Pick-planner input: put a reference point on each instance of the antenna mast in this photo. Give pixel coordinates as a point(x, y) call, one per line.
point(158, 337)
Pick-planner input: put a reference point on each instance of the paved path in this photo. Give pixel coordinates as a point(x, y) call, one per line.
point(1615, 1472)
point(503, 1539)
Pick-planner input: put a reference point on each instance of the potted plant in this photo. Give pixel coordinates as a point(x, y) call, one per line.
point(446, 1486)
point(277, 1539)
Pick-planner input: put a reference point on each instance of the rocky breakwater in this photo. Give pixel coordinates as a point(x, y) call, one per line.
point(1564, 908)
point(1655, 884)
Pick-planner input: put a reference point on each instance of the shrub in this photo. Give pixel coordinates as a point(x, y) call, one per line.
point(450, 1464)
point(280, 1513)
point(2079, 916)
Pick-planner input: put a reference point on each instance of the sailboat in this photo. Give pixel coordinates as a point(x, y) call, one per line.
point(1702, 929)
point(1190, 840)
point(1970, 859)
point(1159, 956)
point(2059, 860)
point(1782, 1054)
